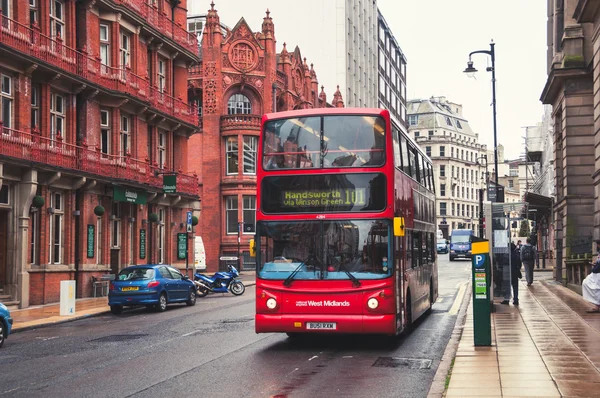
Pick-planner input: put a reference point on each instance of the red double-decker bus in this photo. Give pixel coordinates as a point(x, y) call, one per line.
point(345, 237)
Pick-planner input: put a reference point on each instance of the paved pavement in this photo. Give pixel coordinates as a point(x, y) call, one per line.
point(545, 347)
point(43, 315)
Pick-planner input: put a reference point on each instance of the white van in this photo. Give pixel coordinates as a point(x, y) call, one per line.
point(199, 254)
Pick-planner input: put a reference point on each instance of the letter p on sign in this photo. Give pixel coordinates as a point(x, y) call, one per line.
point(479, 260)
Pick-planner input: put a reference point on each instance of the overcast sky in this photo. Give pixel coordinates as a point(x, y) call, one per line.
point(437, 37)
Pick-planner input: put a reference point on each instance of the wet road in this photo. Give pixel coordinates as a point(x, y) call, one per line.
point(211, 350)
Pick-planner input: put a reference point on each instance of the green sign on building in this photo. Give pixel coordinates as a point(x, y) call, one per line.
point(142, 244)
point(91, 240)
point(169, 183)
point(181, 246)
point(121, 194)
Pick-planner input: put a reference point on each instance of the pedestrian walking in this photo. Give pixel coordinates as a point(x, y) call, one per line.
point(590, 287)
point(515, 275)
point(528, 255)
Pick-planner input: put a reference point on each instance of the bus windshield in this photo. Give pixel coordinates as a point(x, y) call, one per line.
point(324, 142)
point(325, 250)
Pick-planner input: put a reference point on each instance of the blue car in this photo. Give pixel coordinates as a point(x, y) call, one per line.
point(5, 323)
point(154, 286)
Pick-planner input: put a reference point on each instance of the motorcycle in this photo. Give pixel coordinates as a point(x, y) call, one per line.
point(220, 282)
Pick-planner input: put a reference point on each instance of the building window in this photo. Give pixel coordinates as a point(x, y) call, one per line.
point(430, 132)
point(417, 134)
point(452, 151)
point(442, 170)
point(231, 214)
point(442, 208)
point(442, 151)
point(239, 104)
point(105, 132)
point(35, 107)
point(442, 189)
point(125, 136)
point(56, 227)
point(161, 235)
point(7, 102)
point(162, 149)
point(448, 121)
point(452, 171)
point(33, 12)
point(250, 144)
point(458, 124)
point(115, 236)
point(162, 75)
point(232, 155)
point(57, 19)
point(428, 151)
point(510, 183)
point(125, 52)
point(413, 120)
point(104, 47)
point(249, 214)
point(57, 116)
point(463, 210)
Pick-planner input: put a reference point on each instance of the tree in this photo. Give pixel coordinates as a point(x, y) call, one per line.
point(524, 231)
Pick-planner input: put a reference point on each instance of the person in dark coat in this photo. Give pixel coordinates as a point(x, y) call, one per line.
point(515, 275)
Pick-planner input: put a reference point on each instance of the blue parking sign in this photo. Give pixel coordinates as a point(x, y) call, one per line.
point(479, 260)
point(189, 218)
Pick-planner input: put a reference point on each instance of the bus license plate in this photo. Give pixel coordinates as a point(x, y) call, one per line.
point(321, 325)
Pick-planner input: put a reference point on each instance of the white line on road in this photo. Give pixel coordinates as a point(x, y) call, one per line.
point(316, 356)
point(459, 298)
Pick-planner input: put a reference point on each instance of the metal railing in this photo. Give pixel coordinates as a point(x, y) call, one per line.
point(55, 152)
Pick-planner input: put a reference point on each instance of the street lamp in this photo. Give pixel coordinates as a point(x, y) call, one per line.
point(470, 71)
point(481, 190)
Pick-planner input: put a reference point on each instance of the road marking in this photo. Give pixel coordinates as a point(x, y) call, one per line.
point(190, 333)
point(316, 356)
point(439, 300)
point(459, 298)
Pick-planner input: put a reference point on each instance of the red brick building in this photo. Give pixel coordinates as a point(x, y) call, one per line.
point(93, 112)
point(241, 76)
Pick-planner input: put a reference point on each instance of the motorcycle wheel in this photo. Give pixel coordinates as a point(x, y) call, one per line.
point(201, 291)
point(237, 288)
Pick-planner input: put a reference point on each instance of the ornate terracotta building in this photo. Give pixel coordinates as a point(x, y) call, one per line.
point(93, 113)
point(241, 76)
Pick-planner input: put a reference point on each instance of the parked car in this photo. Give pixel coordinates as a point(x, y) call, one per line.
point(152, 285)
point(5, 323)
point(442, 247)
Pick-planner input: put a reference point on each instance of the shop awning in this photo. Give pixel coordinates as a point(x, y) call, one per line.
point(542, 206)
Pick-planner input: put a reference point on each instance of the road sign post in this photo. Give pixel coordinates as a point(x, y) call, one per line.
point(188, 231)
point(481, 280)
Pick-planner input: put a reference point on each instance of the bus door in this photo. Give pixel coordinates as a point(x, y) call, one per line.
point(400, 264)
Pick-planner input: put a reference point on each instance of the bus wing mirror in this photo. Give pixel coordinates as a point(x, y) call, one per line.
point(252, 248)
point(398, 226)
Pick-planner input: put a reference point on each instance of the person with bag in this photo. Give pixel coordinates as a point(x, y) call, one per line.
point(590, 288)
point(528, 255)
point(515, 275)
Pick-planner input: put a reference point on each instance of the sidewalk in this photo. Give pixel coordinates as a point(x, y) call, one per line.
point(545, 347)
point(45, 315)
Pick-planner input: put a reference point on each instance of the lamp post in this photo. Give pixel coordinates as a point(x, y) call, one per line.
point(481, 191)
point(470, 70)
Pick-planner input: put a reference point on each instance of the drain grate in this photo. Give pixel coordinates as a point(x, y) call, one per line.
point(410, 363)
point(115, 338)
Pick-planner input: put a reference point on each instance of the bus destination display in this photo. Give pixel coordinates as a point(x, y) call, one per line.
point(333, 197)
point(324, 193)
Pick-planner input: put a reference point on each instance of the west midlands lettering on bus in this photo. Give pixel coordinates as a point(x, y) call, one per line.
point(345, 239)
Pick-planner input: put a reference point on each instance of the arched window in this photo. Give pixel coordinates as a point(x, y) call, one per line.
point(238, 104)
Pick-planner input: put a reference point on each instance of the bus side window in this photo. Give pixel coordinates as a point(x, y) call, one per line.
point(416, 249)
point(397, 155)
point(404, 151)
point(408, 249)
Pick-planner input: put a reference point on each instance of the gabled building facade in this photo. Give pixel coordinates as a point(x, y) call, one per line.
point(240, 77)
point(94, 112)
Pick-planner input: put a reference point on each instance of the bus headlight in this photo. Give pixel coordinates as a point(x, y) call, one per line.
point(373, 303)
point(271, 303)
